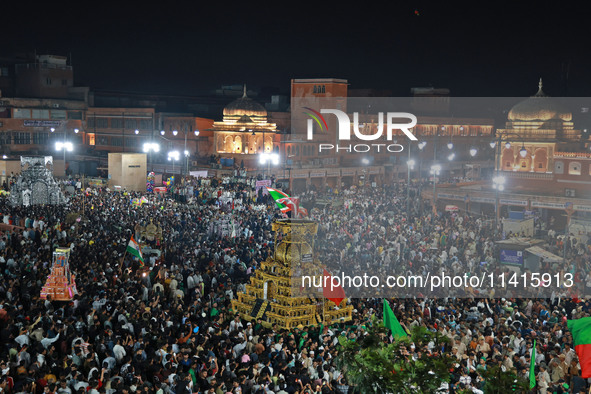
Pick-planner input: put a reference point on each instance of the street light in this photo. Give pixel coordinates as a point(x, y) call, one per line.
point(76, 131)
point(268, 158)
point(65, 146)
point(162, 132)
point(150, 147)
point(435, 171)
point(136, 131)
point(451, 156)
point(173, 156)
point(523, 151)
point(473, 151)
point(410, 164)
point(499, 186)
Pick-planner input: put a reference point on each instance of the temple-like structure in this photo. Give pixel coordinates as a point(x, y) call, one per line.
point(36, 184)
point(276, 293)
point(60, 284)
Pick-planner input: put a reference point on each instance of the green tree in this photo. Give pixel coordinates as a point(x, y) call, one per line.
point(374, 365)
point(498, 381)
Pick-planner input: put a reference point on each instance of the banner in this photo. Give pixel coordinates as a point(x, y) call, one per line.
point(511, 257)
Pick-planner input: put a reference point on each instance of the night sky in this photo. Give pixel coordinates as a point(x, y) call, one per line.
point(187, 48)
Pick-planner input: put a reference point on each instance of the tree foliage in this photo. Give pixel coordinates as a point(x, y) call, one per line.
point(374, 365)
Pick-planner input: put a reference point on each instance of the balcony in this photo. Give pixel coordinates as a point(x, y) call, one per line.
point(528, 175)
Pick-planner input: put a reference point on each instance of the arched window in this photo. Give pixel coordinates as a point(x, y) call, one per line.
point(574, 168)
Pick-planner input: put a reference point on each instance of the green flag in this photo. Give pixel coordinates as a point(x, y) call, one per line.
point(277, 195)
point(532, 365)
point(391, 322)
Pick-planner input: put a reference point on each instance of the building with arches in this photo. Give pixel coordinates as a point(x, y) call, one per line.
point(541, 150)
point(244, 132)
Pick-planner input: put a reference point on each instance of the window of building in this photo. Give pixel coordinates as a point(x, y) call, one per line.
point(75, 115)
point(40, 138)
point(21, 138)
point(131, 123)
point(5, 138)
point(574, 168)
point(116, 141)
point(558, 167)
point(146, 124)
point(64, 82)
point(58, 114)
point(102, 141)
point(40, 114)
point(91, 139)
point(48, 81)
point(116, 123)
point(4, 71)
point(20, 113)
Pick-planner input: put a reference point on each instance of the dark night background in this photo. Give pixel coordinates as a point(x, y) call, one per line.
point(479, 49)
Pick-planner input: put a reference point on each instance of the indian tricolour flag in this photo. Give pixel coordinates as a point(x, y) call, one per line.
point(134, 249)
point(581, 330)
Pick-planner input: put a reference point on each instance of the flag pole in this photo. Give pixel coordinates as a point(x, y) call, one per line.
point(121, 262)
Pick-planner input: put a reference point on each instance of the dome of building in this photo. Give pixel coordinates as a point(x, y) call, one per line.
point(245, 106)
point(539, 107)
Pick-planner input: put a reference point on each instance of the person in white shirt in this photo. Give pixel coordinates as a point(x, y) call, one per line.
point(119, 351)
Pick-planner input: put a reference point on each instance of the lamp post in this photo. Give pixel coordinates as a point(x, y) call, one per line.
point(150, 147)
point(268, 158)
point(499, 180)
point(435, 171)
point(499, 186)
point(173, 156)
point(421, 146)
point(65, 146)
point(410, 164)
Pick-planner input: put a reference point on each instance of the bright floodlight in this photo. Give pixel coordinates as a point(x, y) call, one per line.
point(450, 145)
point(162, 132)
point(411, 164)
point(365, 161)
point(4, 157)
point(187, 153)
point(151, 147)
point(196, 133)
point(451, 157)
point(473, 152)
point(435, 169)
point(76, 131)
point(136, 131)
point(174, 132)
point(265, 158)
point(174, 155)
point(52, 129)
point(507, 145)
point(493, 144)
point(64, 146)
point(499, 182)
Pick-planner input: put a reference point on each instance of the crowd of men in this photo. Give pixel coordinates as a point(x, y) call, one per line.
point(169, 327)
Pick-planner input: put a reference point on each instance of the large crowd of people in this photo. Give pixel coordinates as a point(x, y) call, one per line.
point(169, 327)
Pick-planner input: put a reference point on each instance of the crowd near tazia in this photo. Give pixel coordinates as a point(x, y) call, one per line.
point(155, 275)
